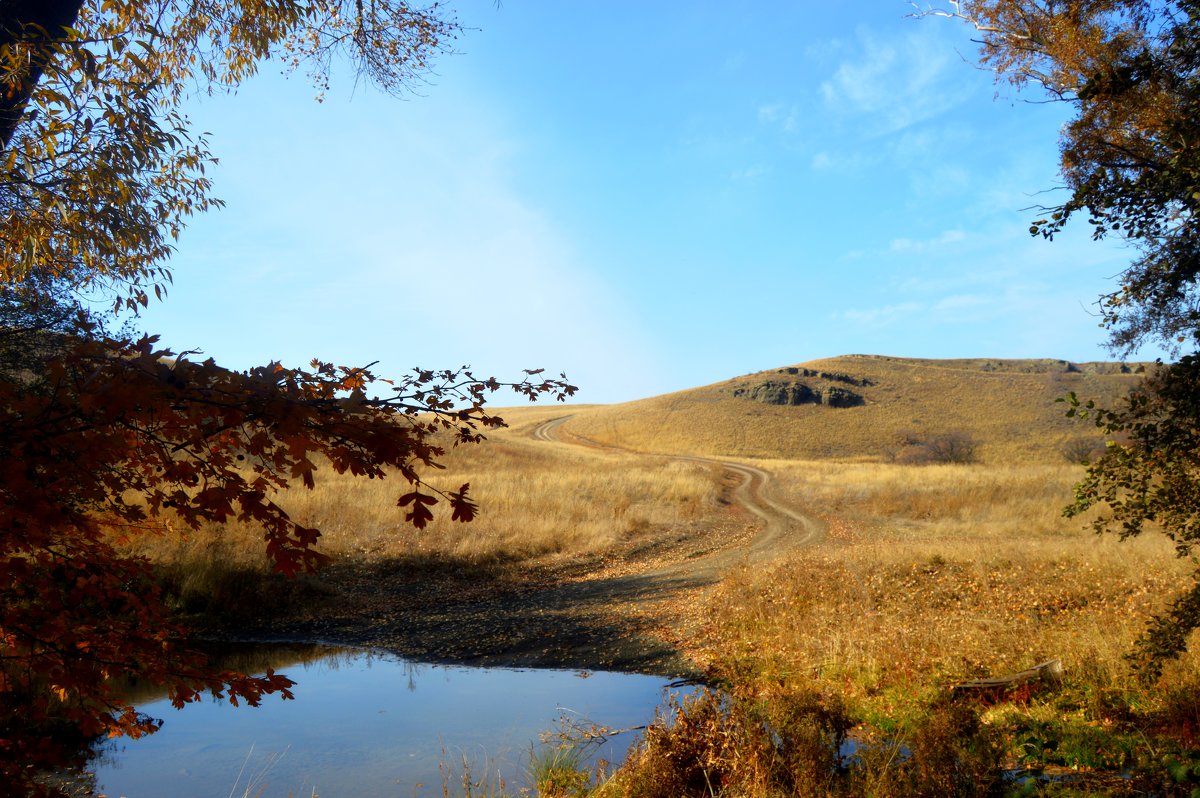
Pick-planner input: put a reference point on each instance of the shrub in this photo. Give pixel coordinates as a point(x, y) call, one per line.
point(715, 744)
point(954, 754)
point(1081, 450)
point(949, 447)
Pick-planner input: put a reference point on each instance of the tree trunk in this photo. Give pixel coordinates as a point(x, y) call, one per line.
point(29, 30)
point(1048, 672)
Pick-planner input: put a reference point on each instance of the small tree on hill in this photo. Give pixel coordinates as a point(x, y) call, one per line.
point(1081, 451)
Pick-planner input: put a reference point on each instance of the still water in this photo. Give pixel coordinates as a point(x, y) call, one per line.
point(369, 724)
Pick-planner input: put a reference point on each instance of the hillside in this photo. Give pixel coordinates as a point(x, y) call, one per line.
point(864, 406)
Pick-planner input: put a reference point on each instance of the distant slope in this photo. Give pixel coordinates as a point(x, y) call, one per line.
point(860, 407)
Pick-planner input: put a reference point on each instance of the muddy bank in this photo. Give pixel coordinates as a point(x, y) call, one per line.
point(543, 618)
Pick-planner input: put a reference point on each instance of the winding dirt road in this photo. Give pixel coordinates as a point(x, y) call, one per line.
point(583, 618)
point(783, 527)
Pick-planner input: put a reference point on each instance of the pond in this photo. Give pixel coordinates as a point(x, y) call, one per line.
point(370, 724)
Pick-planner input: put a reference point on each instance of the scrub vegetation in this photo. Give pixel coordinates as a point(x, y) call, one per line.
point(836, 662)
point(842, 666)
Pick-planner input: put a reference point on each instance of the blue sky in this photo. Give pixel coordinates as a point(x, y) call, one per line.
point(649, 197)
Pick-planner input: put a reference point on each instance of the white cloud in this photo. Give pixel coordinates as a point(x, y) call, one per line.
point(914, 246)
point(825, 161)
point(787, 117)
point(885, 315)
point(750, 172)
point(770, 113)
point(896, 83)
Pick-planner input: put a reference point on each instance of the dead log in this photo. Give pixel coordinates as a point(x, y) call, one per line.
point(1047, 673)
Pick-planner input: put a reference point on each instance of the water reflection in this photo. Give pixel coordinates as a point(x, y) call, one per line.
point(368, 724)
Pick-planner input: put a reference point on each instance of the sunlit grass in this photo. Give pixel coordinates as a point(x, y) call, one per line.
point(540, 502)
point(929, 576)
point(1009, 407)
point(934, 574)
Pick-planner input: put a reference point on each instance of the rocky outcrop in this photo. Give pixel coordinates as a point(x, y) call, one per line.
point(831, 376)
point(772, 392)
point(1050, 366)
point(841, 397)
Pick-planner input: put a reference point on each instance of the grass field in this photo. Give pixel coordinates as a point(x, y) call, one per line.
point(934, 576)
point(931, 575)
point(542, 504)
point(1007, 406)
point(946, 573)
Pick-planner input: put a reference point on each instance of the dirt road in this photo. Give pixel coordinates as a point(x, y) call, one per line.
point(588, 619)
point(783, 527)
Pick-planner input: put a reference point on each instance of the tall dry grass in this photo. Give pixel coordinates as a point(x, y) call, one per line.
point(943, 573)
point(540, 503)
point(931, 576)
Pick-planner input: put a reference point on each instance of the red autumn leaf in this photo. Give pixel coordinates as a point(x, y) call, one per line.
point(420, 514)
point(463, 509)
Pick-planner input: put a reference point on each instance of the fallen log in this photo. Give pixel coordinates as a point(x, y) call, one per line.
point(1048, 672)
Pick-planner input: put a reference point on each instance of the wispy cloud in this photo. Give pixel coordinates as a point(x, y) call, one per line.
point(883, 316)
point(892, 84)
point(842, 162)
point(750, 172)
point(785, 116)
point(920, 246)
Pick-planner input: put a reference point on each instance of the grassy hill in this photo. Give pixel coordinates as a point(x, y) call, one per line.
point(866, 407)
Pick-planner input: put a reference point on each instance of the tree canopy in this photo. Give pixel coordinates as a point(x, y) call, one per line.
point(101, 169)
point(1130, 161)
point(106, 435)
point(1130, 156)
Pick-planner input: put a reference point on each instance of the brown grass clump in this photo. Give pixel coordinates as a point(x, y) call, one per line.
point(794, 742)
point(729, 744)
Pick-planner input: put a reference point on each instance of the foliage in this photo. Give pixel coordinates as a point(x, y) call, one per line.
point(108, 437)
point(1130, 158)
point(100, 170)
point(104, 437)
point(560, 771)
point(1151, 477)
point(788, 743)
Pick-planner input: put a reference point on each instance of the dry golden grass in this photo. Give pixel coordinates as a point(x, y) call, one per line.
point(539, 502)
point(1008, 406)
point(939, 574)
point(930, 575)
